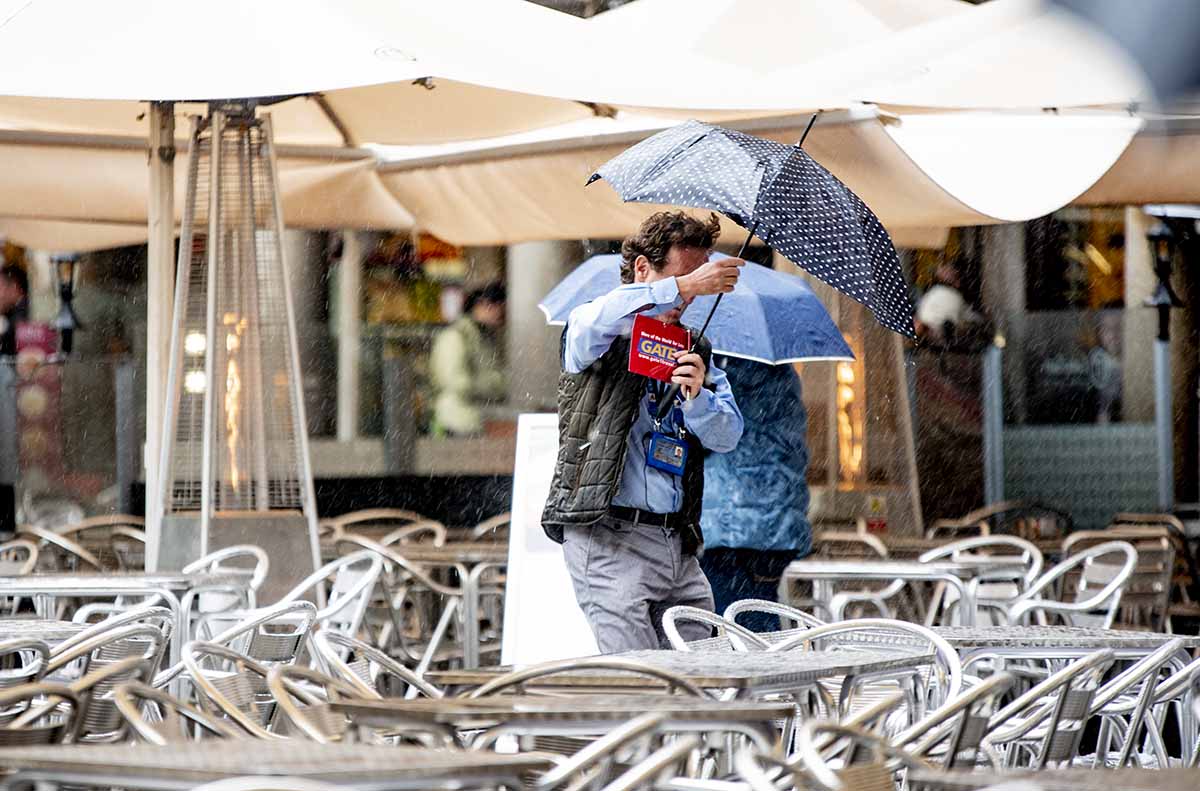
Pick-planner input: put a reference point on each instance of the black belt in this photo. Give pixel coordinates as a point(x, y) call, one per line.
point(639, 517)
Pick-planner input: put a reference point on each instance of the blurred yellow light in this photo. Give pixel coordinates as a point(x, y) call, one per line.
point(195, 382)
point(194, 344)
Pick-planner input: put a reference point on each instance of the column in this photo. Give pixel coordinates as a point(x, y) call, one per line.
point(533, 347)
point(1140, 323)
point(349, 333)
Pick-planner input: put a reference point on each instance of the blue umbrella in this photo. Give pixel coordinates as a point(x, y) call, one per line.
point(772, 317)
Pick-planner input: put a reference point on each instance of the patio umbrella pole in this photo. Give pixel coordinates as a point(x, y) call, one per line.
point(665, 406)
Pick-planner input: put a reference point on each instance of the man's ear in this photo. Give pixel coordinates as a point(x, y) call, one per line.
point(641, 269)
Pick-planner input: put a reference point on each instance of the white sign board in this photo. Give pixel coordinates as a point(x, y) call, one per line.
point(541, 618)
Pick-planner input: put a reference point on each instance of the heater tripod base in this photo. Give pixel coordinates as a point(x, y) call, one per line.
point(282, 534)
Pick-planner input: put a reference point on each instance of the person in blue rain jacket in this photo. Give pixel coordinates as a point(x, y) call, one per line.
point(755, 514)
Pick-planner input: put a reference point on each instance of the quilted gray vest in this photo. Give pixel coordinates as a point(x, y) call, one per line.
point(596, 408)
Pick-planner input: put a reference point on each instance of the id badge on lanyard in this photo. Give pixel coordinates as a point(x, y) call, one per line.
point(667, 452)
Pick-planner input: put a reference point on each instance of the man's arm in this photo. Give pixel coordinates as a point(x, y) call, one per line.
point(713, 414)
point(593, 326)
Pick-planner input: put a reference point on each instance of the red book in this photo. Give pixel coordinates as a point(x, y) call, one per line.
point(652, 346)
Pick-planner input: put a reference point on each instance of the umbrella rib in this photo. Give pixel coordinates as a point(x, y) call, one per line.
point(335, 119)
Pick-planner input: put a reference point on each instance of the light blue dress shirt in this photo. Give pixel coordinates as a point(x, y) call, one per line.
point(712, 416)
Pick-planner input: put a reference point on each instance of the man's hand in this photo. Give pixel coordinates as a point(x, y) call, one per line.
point(689, 373)
point(717, 276)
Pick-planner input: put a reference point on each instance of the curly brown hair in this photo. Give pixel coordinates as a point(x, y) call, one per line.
point(661, 231)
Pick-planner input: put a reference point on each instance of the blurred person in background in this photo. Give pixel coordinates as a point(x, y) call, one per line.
point(14, 305)
point(466, 365)
point(755, 515)
point(14, 301)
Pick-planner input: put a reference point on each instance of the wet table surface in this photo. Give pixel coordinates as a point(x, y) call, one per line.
point(972, 637)
point(1060, 780)
point(184, 765)
point(848, 570)
point(758, 672)
point(176, 583)
point(39, 629)
point(489, 711)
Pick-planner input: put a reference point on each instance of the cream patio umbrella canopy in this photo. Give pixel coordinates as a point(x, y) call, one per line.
point(919, 171)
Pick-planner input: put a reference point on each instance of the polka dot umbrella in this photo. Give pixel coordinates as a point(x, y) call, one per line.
point(779, 193)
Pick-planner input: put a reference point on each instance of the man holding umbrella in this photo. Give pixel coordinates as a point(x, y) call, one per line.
point(630, 526)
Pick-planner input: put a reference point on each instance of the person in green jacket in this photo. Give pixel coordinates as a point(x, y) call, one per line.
point(466, 365)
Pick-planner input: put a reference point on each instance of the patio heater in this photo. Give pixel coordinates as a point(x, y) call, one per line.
point(234, 462)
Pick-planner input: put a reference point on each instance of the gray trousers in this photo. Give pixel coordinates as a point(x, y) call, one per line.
point(627, 576)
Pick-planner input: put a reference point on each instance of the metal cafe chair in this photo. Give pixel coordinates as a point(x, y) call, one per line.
point(157, 717)
point(1022, 518)
point(1177, 701)
point(1044, 725)
point(377, 523)
point(1123, 704)
point(242, 560)
point(928, 687)
point(737, 638)
point(363, 665)
point(866, 761)
point(22, 661)
point(118, 540)
point(348, 582)
point(146, 615)
point(401, 578)
point(231, 685)
point(991, 593)
point(270, 635)
point(668, 761)
point(603, 760)
point(1093, 598)
point(43, 712)
point(18, 557)
point(99, 720)
point(799, 618)
point(844, 545)
point(298, 693)
point(59, 552)
point(517, 679)
point(143, 641)
point(953, 734)
point(1146, 599)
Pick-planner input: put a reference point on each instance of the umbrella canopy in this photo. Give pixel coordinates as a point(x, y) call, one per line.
point(771, 317)
point(783, 196)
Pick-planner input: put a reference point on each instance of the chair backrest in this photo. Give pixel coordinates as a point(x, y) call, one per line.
point(1058, 707)
point(595, 764)
point(378, 523)
point(58, 552)
point(242, 559)
point(269, 635)
point(959, 726)
point(1146, 597)
point(790, 617)
point(117, 540)
point(297, 689)
point(1090, 584)
point(18, 557)
point(942, 684)
point(1139, 680)
point(231, 685)
point(22, 661)
point(159, 718)
point(1187, 568)
point(738, 638)
point(518, 678)
point(992, 592)
point(99, 719)
point(39, 713)
point(868, 761)
point(143, 641)
point(349, 592)
point(373, 672)
point(151, 615)
point(428, 531)
point(492, 528)
point(1022, 518)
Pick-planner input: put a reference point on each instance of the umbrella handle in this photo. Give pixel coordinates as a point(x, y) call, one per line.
point(665, 405)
